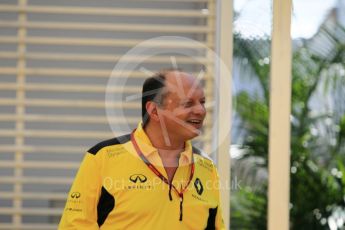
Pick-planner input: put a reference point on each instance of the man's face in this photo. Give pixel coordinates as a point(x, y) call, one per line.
point(183, 110)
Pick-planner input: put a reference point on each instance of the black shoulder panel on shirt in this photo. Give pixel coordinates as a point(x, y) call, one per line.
point(199, 152)
point(114, 141)
point(211, 222)
point(105, 205)
point(196, 150)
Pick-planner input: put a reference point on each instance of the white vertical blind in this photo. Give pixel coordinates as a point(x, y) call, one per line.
point(56, 58)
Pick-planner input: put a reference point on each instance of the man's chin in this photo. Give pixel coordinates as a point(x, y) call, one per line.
point(193, 133)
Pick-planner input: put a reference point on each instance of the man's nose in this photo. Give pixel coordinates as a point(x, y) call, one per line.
point(199, 109)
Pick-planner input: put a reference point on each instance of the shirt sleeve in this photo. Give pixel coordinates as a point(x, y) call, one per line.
point(81, 206)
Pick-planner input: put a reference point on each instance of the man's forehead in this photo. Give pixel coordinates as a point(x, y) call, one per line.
point(176, 81)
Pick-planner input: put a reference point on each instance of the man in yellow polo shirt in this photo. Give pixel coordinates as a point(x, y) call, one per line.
point(152, 178)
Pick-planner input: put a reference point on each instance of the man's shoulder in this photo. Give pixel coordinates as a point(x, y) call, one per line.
point(203, 162)
point(110, 142)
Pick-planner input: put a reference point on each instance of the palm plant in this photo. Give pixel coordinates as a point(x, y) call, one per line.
point(317, 132)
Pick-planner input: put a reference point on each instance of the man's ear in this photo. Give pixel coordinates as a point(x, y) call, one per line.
point(151, 108)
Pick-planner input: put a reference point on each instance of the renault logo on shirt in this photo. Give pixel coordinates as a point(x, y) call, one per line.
point(198, 186)
point(138, 178)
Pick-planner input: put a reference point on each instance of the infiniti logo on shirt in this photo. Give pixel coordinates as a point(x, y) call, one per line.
point(138, 178)
point(75, 195)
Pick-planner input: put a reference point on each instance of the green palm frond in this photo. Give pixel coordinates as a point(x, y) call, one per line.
point(317, 131)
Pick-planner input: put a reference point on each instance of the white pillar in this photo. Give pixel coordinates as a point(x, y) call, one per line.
point(279, 123)
point(224, 75)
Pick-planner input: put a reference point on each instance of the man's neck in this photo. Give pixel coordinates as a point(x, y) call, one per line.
point(169, 150)
point(162, 142)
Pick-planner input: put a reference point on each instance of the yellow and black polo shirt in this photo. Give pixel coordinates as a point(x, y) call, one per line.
point(115, 189)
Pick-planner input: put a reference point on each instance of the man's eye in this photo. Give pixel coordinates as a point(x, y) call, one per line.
point(188, 104)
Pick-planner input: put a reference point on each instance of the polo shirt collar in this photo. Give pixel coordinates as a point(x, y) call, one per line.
point(149, 151)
